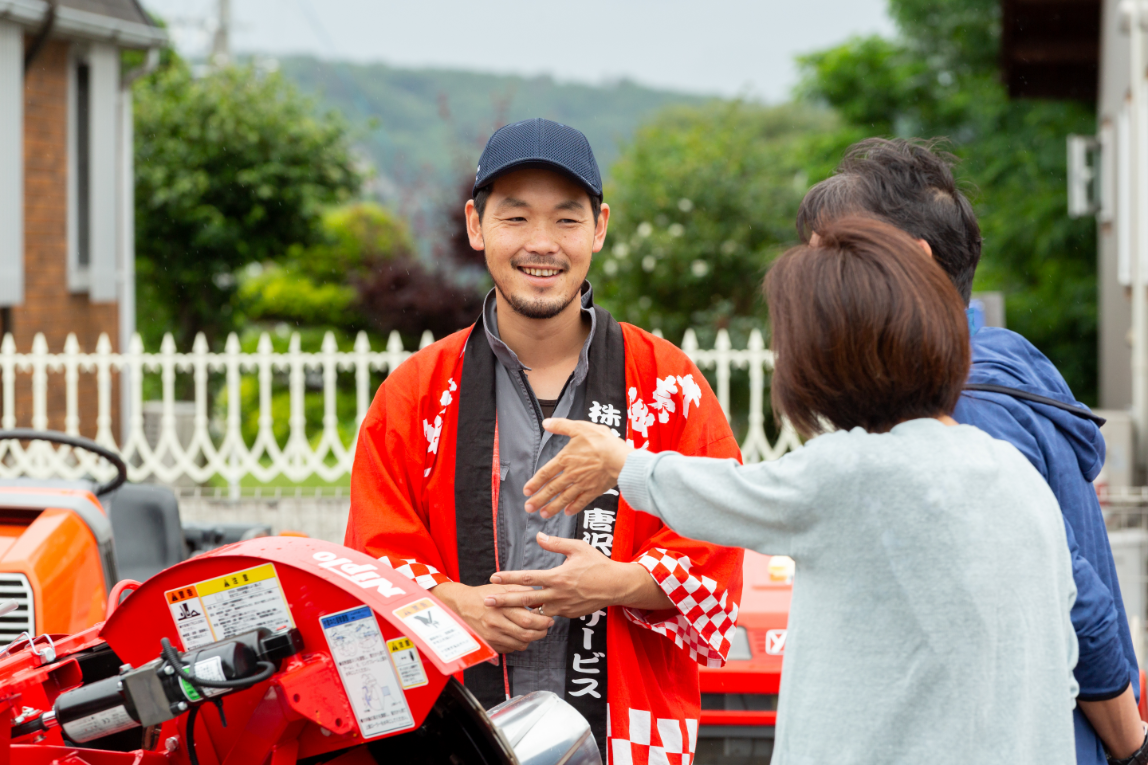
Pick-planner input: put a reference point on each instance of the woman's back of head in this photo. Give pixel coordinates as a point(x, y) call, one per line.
point(867, 330)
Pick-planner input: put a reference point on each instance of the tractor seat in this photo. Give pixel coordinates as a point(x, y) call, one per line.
point(146, 528)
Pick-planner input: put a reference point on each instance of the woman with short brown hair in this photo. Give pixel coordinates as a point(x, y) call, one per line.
point(868, 320)
point(930, 613)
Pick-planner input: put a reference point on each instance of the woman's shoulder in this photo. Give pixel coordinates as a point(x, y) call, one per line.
point(919, 441)
point(925, 447)
point(966, 455)
point(973, 440)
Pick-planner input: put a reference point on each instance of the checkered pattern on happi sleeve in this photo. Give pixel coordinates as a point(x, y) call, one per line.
point(706, 621)
point(653, 741)
point(423, 574)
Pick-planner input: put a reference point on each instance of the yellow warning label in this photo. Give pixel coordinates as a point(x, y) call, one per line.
point(238, 579)
point(216, 609)
point(400, 644)
point(407, 662)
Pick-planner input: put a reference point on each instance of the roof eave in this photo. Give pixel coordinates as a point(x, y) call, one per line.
point(81, 24)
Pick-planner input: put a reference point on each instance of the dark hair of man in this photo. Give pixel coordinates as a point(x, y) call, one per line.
point(910, 184)
point(483, 194)
point(867, 331)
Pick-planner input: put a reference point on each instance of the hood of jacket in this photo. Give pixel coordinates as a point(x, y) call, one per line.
point(1001, 357)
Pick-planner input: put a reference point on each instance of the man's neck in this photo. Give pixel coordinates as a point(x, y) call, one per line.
point(541, 344)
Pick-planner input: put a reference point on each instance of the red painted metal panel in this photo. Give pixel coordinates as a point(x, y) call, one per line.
point(727, 717)
point(750, 679)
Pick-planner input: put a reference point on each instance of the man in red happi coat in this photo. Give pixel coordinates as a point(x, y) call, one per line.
point(626, 608)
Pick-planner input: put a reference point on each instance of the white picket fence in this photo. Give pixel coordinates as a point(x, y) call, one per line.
point(217, 447)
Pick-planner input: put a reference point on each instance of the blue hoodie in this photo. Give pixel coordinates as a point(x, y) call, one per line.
point(1068, 450)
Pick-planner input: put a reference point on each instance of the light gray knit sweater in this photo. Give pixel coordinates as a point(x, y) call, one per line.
point(929, 621)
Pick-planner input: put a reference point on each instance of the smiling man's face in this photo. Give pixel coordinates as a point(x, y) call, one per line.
point(539, 233)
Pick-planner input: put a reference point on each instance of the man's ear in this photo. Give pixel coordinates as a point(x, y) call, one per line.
point(925, 246)
point(600, 227)
point(474, 227)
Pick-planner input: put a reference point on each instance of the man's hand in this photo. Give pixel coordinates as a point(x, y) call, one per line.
point(506, 629)
point(587, 582)
point(586, 467)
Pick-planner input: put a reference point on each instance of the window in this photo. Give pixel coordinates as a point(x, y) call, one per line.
point(93, 156)
point(80, 104)
point(83, 152)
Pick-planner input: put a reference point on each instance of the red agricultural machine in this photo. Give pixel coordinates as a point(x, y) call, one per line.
point(739, 700)
point(65, 544)
point(275, 650)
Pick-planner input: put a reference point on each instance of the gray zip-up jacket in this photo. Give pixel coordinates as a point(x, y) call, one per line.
point(524, 447)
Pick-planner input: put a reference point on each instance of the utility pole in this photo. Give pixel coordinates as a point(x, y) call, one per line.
point(221, 42)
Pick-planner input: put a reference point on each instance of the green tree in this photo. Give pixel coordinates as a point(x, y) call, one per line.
point(362, 274)
point(314, 286)
point(232, 168)
point(941, 78)
point(702, 199)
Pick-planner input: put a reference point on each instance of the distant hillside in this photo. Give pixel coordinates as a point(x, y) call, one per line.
point(424, 128)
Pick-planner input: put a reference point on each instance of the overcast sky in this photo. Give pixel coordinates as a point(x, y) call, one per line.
point(726, 47)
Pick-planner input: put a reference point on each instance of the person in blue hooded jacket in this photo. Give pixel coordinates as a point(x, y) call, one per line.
point(1013, 393)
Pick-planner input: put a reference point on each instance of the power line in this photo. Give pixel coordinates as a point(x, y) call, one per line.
point(348, 83)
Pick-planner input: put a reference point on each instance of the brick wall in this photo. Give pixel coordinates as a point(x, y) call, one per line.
point(48, 305)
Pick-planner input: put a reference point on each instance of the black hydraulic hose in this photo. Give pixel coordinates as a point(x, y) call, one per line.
point(267, 669)
point(192, 715)
point(171, 656)
point(191, 753)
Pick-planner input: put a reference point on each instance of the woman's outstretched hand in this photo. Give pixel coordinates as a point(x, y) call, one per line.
point(584, 469)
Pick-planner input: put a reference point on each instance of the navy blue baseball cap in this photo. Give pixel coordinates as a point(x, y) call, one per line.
point(539, 143)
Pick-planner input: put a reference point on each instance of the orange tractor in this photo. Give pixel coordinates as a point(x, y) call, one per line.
point(65, 544)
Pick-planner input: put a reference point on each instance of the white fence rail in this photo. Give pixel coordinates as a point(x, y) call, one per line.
point(216, 446)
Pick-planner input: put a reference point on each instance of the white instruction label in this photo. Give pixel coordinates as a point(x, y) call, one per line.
point(437, 628)
point(187, 612)
point(100, 724)
point(407, 662)
point(368, 677)
point(208, 669)
point(216, 609)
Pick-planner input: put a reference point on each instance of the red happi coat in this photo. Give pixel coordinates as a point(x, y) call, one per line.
point(403, 512)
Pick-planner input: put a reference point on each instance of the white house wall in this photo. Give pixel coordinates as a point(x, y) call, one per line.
point(1114, 307)
point(11, 164)
point(127, 266)
point(104, 62)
